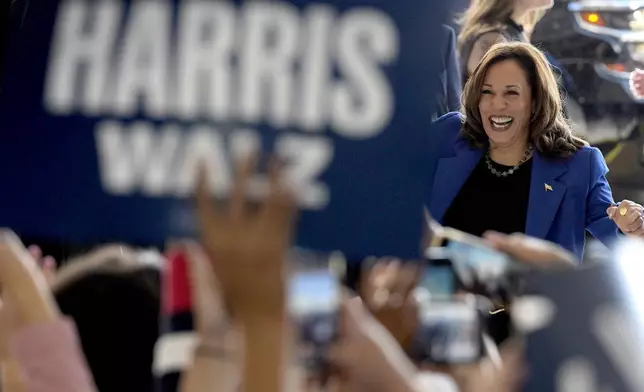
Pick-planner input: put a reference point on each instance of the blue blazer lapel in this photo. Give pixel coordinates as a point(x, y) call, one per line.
point(451, 174)
point(546, 193)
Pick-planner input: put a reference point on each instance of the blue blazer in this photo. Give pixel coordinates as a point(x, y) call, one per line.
point(575, 201)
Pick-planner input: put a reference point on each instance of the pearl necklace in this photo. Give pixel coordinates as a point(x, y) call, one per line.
point(488, 162)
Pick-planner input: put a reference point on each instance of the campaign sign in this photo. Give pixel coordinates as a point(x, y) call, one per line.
point(110, 107)
point(592, 337)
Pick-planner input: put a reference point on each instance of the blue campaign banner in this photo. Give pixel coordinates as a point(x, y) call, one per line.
point(592, 339)
point(108, 108)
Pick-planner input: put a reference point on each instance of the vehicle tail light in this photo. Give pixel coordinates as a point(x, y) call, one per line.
point(593, 18)
point(617, 67)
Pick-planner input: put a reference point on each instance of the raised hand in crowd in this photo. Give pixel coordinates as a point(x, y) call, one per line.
point(47, 263)
point(387, 291)
point(629, 217)
point(637, 83)
point(534, 251)
point(36, 341)
point(247, 248)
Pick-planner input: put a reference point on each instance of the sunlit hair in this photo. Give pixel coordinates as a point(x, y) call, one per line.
point(550, 133)
point(484, 16)
point(531, 19)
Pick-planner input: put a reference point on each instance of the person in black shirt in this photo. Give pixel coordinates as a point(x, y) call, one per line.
point(488, 189)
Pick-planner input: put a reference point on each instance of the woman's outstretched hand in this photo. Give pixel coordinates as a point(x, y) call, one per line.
point(629, 217)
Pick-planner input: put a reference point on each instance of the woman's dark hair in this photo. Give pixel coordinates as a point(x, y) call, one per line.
point(550, 132)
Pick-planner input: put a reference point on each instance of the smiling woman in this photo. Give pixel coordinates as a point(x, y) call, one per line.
point(510, 162)
point(512, 101)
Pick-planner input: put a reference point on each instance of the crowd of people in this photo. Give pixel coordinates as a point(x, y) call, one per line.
point(213, 314)
point(92, 325)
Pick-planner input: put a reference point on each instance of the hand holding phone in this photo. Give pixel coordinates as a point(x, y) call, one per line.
point(449, 323)
point(480, 268)
point(388, 290)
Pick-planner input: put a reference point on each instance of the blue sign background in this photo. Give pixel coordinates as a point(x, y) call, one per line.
point(50, 175)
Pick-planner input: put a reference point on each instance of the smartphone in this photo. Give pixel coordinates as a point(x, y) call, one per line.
point(314, 306)
point(449, 332)
point(475, 261)
point(438, 278)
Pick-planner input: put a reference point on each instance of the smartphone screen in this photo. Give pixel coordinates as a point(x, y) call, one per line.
point(485, 260)
point(449, 333)
point(473, 259)
point(438, 279)
point(314, 303)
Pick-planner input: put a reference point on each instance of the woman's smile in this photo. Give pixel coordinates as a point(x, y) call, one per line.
point(500, 123)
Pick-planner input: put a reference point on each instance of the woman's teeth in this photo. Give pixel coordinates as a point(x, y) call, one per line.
point(501, 122)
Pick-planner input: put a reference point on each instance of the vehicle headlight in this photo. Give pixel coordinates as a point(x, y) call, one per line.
point(637, 21)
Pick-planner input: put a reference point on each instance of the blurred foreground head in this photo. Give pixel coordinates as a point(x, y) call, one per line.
point(113, 296)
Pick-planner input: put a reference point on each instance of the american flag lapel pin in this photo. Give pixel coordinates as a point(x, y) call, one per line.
point(548, 187)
